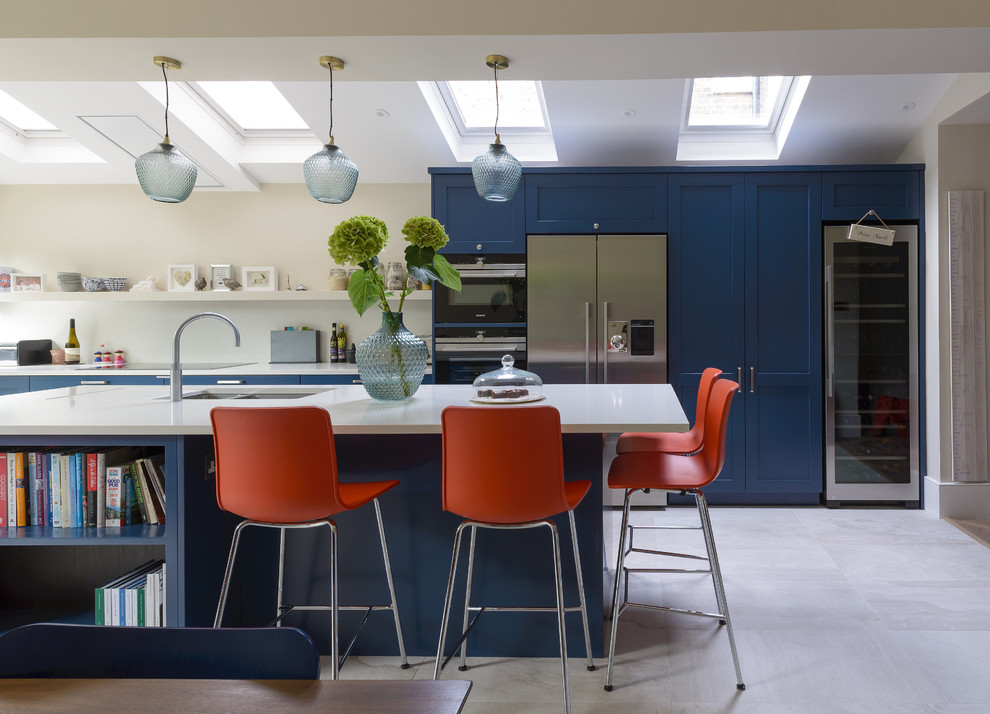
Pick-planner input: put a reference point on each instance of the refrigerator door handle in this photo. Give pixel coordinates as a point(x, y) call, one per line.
point(829, 329)
point(587, 343)
point(739, 379)
point(752, 379)
point(605, 335)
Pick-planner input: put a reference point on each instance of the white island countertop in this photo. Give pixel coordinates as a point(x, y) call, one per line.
point(137, 410)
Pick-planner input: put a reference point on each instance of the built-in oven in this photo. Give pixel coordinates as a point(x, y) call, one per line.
point(493, 290)
point(462, 353)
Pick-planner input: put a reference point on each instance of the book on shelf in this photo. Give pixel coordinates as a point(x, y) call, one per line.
point(3, 488)
point(11, 492)
point(156, 512)
point(115, 475)
point(157, 483)
point(143, 498)
point(32, 489)
point(20, 488)
point(130, 509)
point(110, 599)
point(55, 488)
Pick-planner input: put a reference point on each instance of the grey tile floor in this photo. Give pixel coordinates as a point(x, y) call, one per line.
point(849, 611)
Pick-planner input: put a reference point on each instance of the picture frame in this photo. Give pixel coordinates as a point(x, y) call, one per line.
point(182, 278)
point(27, 282)
point(217, 275)
point(263, 277)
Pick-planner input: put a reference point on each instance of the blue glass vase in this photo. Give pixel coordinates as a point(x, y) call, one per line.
point(392, 361)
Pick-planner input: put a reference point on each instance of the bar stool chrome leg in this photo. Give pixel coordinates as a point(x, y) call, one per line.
point(616, 608)
point(719, 585)
point(467, 598)
point(225, 586)
point(560, 616)
point(280, 608)
point(446, 602)
point(334, 606)
point(391, 588)
point(580, 583)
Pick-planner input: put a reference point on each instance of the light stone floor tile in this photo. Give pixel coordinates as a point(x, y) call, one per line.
point(835, 611)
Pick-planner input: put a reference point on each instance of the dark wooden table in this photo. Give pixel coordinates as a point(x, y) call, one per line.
point(233, 695)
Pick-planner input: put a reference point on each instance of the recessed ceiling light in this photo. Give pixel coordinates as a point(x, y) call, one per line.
point(628, 113)
point(382, 113)
point(907, 107)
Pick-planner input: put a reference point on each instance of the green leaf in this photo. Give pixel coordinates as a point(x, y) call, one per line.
point(361, 291)
point(423, 274)
point(417, 257)
point(446, 273)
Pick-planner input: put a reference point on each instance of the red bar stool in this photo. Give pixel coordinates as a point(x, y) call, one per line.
point(644, 470)
point(277, 468)
point(675, 442)
point(503, 468)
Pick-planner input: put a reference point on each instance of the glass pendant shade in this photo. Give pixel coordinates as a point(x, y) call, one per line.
point(330, 175)
point(165, 174)
point(496, 173)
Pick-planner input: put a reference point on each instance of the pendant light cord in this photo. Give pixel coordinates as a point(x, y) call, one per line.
point(330, 68)
point(495, 70)
point(165, 75)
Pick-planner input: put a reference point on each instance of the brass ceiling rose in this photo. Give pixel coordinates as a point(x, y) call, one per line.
point(331, 63)
point(497, 61)
point(168, 62)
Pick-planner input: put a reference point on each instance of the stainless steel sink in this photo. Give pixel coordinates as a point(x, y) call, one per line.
point(248, 393)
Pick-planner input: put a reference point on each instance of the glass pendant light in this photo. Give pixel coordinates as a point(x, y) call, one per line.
point(496, 172)
point(165, 174)
point(330, 175)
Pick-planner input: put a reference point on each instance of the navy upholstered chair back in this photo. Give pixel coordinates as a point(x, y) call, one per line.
point(89, 651)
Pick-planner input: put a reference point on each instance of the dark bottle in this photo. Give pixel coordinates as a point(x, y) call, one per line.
point(334, 355)
point(352, 354)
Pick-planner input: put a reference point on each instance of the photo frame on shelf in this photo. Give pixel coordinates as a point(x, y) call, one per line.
point(219, 273)
point(5, 274)
point(27, 282)
point(259, 278)
point(182, 278)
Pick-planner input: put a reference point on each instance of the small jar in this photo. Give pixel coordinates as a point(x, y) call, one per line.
point(338, 279)
point(394, 276)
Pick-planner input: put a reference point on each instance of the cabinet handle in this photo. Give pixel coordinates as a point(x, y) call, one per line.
point(478, 247)
point(739, 379)
point(752, 379)
point(231, 381)
point(605, 336)
point(829, 328)
point(356, 381)
point(94, 381)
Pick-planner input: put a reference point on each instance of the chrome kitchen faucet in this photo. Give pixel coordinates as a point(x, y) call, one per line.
point(175, 371)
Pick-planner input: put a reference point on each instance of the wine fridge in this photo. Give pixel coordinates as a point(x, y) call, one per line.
point(871, 370)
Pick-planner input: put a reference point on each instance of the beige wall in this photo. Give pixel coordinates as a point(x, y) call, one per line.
point(925, 148)
point(116, 230)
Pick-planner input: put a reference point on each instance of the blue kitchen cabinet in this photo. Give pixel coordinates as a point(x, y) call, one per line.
point(745, 296)
point(595, 203)
point(895, 195)
point(95, 378)
point(14, 385)
point(474, 224)
point(238, 379)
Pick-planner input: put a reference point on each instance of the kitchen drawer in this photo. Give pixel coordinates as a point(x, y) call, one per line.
point(14, 385)
point(344, 379)
point(259, 379)
point(54, 382)
point(848, 195)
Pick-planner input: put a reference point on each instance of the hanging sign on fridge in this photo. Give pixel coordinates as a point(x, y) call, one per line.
point(871, 234)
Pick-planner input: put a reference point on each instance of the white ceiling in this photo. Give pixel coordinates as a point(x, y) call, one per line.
point(852, 112)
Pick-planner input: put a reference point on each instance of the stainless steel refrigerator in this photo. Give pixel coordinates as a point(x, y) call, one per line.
point(871, 368)
point(597, 314)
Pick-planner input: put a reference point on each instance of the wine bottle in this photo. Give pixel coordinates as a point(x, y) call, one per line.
point(341, 343)
point(72, 344)
point(333, 344)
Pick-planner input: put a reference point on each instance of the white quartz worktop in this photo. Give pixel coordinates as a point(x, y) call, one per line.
point(138, 410)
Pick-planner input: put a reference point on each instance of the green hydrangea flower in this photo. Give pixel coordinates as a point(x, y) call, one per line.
point(425, 232)
point(357, 239)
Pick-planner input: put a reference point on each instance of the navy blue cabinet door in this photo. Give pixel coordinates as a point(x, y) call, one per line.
point(14, 385)
point(783, 369)
point(596, 203)
point(706, 294)
point(474, 224)
point(894, 195)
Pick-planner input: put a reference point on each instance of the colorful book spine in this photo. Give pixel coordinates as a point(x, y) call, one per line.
point(3, 488)
point(80, 485)
point(21, 489)
point(144, 497)
point(41, 484)
point(101, 489)
point(32, 489)
point(11, 492)
point(66, 479)
point(55, 487)
point(114, 478)
point(155, 490)
point(90, 497)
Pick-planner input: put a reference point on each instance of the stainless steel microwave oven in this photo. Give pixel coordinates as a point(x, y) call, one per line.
point(492, 291)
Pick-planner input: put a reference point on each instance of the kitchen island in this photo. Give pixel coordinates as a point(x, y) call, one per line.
point(375, 440)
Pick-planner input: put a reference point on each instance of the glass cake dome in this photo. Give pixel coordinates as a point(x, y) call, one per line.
point(507, 385)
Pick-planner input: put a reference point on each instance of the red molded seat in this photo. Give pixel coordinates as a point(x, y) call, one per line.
point(675, 443)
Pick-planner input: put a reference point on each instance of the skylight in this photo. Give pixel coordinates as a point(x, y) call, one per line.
point(465, 114)
point(20, 118)
point(738, 118)
point(252, 106)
